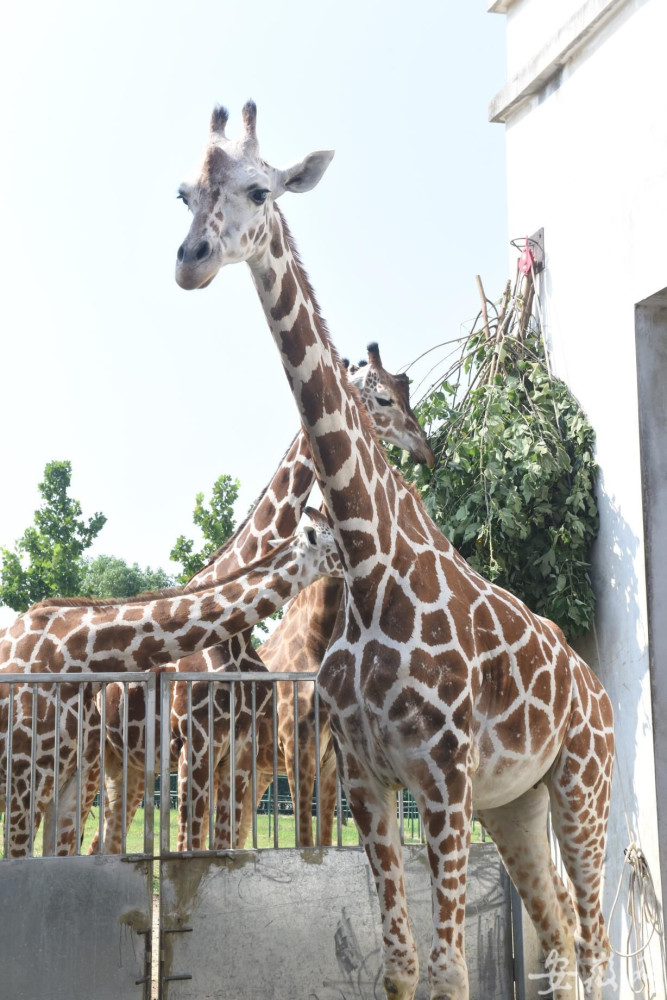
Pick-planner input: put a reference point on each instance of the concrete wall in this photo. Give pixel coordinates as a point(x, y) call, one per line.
point(587, 160)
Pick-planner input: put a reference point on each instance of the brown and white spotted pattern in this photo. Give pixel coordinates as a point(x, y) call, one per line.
point(71, 635)
point(274, 515)
point(436, 679)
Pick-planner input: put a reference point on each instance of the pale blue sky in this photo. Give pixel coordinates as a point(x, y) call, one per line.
point(151, 391)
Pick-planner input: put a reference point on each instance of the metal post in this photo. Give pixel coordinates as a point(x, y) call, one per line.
point(211, 787)
point(149, 765)
point(165, 733)
point(318, 790)
point(253, 778)
point(103, 728)
point(232, 764)
point(297, 783)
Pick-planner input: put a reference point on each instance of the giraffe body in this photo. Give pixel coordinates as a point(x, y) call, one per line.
point(436, 679)
point(72, 635)
point(274, 515)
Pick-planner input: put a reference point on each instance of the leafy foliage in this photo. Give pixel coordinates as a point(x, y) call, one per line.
point(513, 486)
point(216, 521)
point(107, 576)
point(53, 546)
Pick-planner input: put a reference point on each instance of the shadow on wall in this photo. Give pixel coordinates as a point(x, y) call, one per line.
point(617, 650)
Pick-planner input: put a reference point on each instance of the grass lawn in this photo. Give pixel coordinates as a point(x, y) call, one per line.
point(265, 838)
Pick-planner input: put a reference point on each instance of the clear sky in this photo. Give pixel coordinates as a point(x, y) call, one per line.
point(152, 392)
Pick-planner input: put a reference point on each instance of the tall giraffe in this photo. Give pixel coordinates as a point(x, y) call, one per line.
point(301, 639)
point(436, 680)
point(274, 515)
point(68, 635)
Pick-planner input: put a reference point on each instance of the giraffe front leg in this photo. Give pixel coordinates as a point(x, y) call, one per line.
point(445, 805)
point(374, 811)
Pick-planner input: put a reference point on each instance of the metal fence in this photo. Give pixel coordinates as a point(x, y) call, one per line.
point(66, 739)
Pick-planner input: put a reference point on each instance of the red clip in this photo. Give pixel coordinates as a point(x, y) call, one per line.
point(526, 260)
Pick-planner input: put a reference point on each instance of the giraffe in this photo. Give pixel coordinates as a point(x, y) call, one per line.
point(300, 640)
point(69, 635)
point(276, 512)
point(436, 679)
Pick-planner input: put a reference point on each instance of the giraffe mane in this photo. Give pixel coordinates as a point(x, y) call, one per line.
point(364, 415)
point(155, 595)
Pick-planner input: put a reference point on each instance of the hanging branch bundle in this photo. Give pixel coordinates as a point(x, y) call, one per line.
point(514, 480)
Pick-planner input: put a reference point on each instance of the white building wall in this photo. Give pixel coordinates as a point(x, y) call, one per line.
point(587, 161)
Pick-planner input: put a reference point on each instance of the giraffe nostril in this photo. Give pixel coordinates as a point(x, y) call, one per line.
point(180, 254)
point(203, 250)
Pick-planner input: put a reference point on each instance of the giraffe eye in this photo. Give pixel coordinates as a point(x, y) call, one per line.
point(311, 536)
point(258, 195)
point(182, 197)
point(384, 402)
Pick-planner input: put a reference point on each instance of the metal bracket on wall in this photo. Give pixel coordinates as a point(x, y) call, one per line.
point(534, 244)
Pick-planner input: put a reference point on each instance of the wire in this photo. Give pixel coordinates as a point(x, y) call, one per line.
point(642, 912)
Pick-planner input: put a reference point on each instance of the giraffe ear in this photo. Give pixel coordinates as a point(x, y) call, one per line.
point(307, 174)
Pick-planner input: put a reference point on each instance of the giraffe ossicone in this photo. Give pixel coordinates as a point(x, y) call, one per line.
point(436, 679)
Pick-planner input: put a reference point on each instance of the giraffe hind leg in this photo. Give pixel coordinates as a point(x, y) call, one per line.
point(519, 830)
point(579, 788)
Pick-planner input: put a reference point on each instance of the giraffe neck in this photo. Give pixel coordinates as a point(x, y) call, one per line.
point(360, 489)
point(274, 515)
point(66, 635)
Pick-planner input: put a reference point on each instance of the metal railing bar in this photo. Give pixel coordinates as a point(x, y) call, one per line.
point(253, 773)
point(8, 789)
point(101, 846)
point(165, 733)
point(125, 729)
point(274, 725)
point(33, 775)
point(188, 776)
point(149, 764)
point(211, 787)
point(79, 773)
point(318, 786)
point(56, 770)
point(297, 782)
point(232, 766)
point(339, 812)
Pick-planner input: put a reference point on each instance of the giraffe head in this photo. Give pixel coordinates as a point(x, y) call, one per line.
point(387, 399)
point(316, 547)
point(231, 197)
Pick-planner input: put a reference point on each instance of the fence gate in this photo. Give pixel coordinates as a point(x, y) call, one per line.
point(289, 923)
point(73, 928)
point(283, 922)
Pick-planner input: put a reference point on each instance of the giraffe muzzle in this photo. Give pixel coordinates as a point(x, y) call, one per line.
point(196, 265)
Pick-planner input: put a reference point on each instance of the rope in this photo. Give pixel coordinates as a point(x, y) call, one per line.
point(642, 911)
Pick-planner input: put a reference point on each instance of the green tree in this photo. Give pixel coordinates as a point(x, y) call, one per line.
point(47, 560)
point(513, 487)
point(216, 522)
point(107, 576)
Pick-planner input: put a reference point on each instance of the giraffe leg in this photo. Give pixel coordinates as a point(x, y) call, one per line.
point(519, 830)
point(192, 808)
point(242, 796)
point(327, 798)
point(579, 788)
point(263, 782)
point(374, 811)
point(113, 803)
point(303, 794)
point(445, 806)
